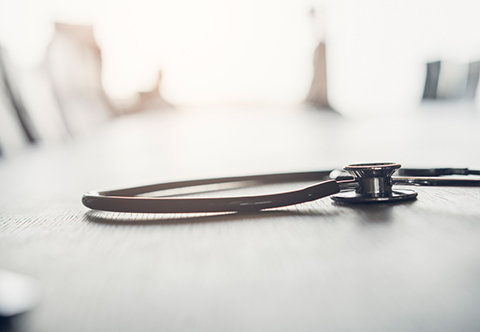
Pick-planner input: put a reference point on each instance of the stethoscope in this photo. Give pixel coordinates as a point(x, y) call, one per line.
point(356, 183)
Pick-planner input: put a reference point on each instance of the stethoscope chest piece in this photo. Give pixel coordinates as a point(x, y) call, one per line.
point(374, 185)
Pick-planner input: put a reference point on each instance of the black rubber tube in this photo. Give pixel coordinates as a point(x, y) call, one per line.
point(125, 200)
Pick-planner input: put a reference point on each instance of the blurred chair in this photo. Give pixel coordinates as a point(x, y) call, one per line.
point(431, 81)
point(42, 105)
point(317, 96)
point(74, 64)
point(145, 100)
point(472, 80)
point(16, 127)
point(446, 80)
point(152, 99)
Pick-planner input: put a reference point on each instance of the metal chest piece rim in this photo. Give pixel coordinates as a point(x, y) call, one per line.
point(375, 184)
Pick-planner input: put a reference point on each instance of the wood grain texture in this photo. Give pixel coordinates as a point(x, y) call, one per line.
point(317, 266)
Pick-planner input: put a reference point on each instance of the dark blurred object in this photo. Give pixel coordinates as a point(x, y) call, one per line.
point(472, 80)
point(431, 81)
point(447, 80)
point(6, 324)
point(18, 294)
point(16, 126)
point(74, 63)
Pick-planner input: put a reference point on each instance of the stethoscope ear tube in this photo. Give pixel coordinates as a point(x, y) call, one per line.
point(105, 202)
point(434, 181)
point(436, 171)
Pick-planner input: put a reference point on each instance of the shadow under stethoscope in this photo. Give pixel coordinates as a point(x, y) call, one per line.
point(375, 213)
point(371, 213)
point(137, 219)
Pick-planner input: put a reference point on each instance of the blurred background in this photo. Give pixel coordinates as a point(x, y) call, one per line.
point(69, 65)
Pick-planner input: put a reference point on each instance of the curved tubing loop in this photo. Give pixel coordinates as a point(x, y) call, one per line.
point(125, 200)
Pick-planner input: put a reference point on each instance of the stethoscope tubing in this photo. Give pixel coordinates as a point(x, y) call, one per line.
point(127, 199)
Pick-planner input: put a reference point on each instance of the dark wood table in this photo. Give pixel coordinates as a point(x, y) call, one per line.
point(318, 266)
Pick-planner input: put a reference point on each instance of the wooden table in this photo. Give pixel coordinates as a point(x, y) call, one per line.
point(318, 266)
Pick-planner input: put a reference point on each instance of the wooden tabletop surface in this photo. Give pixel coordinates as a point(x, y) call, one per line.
point(318, 266)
